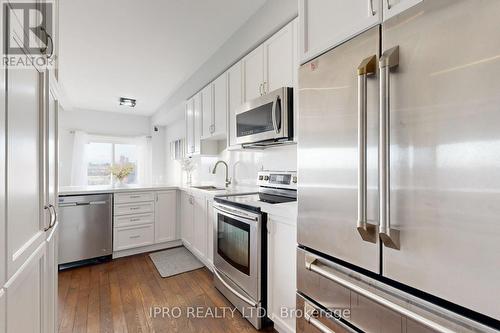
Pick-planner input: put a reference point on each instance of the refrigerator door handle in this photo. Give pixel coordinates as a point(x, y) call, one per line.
point(390, 237)
point(314, 265)
point(367, 230)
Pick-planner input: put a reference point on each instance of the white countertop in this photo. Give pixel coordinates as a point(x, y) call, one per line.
point(287, 210)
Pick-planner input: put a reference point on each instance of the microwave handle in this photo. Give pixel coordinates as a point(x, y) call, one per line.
point(275, 122)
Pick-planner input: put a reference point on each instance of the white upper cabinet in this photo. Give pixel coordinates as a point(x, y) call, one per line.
point(234, 82)
point(214, 106)
point(280, 59)
point(207, 111)
point(197, 118)
point(219, 123)
point(190, 126)
point(253, 74)
point(394, 7)
point(327, 23)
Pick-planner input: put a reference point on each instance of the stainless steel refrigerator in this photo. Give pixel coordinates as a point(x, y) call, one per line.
point(399, 168)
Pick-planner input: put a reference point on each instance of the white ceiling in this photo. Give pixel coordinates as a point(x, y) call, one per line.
point(143, 49)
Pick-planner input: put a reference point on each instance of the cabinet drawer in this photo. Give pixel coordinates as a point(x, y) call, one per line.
point(130, 237)
point(132, 220)
point(131, 197)
point(137, 208)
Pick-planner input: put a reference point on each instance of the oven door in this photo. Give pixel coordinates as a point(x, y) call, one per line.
point(237, 247)
point(266, 118)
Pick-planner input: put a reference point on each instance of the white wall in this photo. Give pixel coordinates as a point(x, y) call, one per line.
point(273, 15)
point(243, 165)
point(95, 122)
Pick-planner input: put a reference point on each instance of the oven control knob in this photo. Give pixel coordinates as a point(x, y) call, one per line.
point(266, 178)
point(294, 180)
point(261, 177)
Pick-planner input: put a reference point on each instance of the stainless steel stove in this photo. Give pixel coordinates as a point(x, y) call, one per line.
point(240, 249)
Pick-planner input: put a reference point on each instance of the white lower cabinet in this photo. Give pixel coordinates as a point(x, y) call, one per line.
point(281, 266)
point(210, 230)
point(144, 219)
point(24, 294)
point(200, 225)
point(131, 237)
point(187, 207)
point(165, 216)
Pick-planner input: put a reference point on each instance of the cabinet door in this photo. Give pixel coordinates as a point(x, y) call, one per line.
point(51, 280)
point(25, 223)
point(279, 64)
point(165, 216)
point(190, 126)
point(253, 73)
point(220, 107)
point(210, 230)
point(207, 111)
point(3, 226)
point(187, 218)
point(197, 117)
point(200, 225)
point(2, 310)
point(395, 7)
point(234, 81)
point(281, 259)
point(327, 23)
point(25, 294)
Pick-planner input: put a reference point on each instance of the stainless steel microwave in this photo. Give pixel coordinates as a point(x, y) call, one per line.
point(267, 120)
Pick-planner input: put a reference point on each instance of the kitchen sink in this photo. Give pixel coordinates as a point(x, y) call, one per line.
point(209, 188)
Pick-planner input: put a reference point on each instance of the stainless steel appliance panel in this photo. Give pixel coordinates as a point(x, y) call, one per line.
point(328, 153)
point(237, 247)
point(269, 117)
point(445, 151)
point(86, 227)
point(313, 319)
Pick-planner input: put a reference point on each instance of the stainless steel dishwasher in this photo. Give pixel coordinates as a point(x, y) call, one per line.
point(86, 229)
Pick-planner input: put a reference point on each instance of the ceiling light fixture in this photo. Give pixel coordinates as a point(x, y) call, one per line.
point(130, 102)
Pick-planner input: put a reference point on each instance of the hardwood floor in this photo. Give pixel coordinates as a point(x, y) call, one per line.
point(120, 296)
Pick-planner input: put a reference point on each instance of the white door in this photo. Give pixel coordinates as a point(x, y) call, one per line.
point(200, 225)
point(220, 107)
point(25, 222)
point(51, 280)
point(280, 64)
point(210, 230)
point(165, 216)
point(234, 82)
point(395, 7)
point(25, 294)
point(197, 118)
point(187, 218)
point(190, 126)
point(253, 73)
point(2, 310)
point(327, 23)
point(207, 111)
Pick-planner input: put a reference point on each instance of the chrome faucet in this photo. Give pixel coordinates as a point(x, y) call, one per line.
point(228, 180)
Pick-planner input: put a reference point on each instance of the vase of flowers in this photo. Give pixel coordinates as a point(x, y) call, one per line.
point(187, 166)
point(121, 172)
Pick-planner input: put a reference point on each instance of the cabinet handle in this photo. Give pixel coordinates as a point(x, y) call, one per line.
point(260, 89)
point(366, 230)
point(134, 196)
point(390, 237)
point(135, 208)
point(134, 220)
point(264, 88)
point(135, 237)
point(372, 11)
point(389, 6)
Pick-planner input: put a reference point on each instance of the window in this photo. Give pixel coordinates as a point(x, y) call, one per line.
point(103, 155)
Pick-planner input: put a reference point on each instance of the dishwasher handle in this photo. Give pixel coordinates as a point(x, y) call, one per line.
point(76, 204)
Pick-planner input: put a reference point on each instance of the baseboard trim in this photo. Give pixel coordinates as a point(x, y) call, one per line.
point(149, 248)
point(281, 326)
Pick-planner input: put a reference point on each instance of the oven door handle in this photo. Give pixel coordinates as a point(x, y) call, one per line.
point(234, 213)
point(245, 299)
